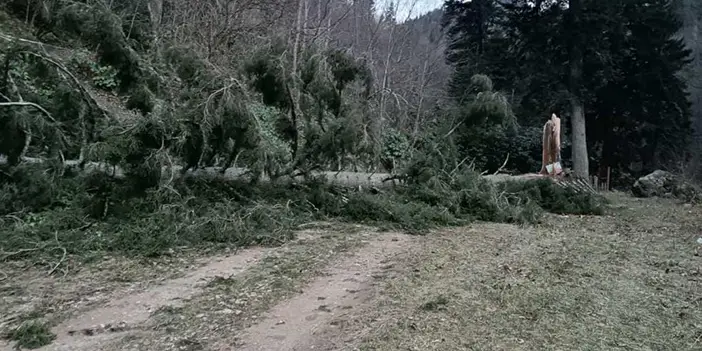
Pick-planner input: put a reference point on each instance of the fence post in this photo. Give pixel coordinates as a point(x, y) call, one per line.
point(595, 183)
point(608, 175)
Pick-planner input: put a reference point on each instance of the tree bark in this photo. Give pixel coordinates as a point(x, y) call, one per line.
point(578, 131)
point(155, 8)
point(298, 34)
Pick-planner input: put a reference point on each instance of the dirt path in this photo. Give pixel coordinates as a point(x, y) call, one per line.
point(257, 299)
point(117, 317)
point(294, 324)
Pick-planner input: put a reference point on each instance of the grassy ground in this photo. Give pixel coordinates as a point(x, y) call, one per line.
point(628, 281)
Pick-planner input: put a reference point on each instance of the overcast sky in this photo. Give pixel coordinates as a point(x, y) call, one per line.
point(411, 8)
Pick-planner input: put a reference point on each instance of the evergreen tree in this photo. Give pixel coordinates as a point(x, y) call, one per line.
point(644, 114)
point(473, 31)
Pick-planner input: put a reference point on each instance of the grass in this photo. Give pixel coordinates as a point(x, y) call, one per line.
point(630, 281)
point(31, 334)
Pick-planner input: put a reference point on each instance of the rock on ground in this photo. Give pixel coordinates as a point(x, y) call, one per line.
point(665, 184)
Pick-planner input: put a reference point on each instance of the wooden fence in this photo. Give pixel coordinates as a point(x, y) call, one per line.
point(601, 185)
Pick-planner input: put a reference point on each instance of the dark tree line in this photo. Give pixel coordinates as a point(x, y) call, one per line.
point(619, 60)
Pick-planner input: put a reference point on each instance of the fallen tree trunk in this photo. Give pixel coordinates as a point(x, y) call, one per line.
point(577, 184)
point(345, 179)
point(170, 173)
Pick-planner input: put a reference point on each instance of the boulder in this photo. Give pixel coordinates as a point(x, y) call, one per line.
point(658, 183)
point(665, 184)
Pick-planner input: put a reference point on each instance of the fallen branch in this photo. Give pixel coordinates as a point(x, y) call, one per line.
point(63, 258)
point(19, 252)
point(28, 131)
point(232, 173)
point(53, 269)
point(86, 94)
point(26, 41)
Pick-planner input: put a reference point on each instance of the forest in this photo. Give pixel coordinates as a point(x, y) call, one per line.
point(134, 127)
point(139, 135)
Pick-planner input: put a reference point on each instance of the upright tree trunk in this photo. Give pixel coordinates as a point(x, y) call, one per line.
point(301, 43)
point(579, 141)
point(356, 26)
point(384, 84)
point(155, 8)
point(293, 88)
point(298, 34)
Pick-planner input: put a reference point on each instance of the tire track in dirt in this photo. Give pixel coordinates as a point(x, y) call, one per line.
point(295, 324)
point(87, 331)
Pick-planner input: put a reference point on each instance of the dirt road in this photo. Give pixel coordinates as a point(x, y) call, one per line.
point(628, 280)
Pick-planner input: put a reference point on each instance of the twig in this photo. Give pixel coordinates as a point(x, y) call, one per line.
point(171, 166)
point(20, 251)
point(86, 226)
point(11, 216)
point(58, 243)
point(503, 165)
point(395, 177)
point(59, 262)
point(453, 129)
point(31, 104)
point(455, 169)
point(86, 94)
point(129, 129)
point(4, 276)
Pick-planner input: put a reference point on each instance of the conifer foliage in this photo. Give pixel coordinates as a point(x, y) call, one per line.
point(636, 106)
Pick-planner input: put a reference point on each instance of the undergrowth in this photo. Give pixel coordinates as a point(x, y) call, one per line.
point(31, 334)
point(87, 216)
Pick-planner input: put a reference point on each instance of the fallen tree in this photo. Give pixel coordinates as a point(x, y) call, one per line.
point(344, 179)
point(170, 173)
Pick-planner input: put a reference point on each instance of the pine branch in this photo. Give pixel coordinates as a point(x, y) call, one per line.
point(31, 104)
